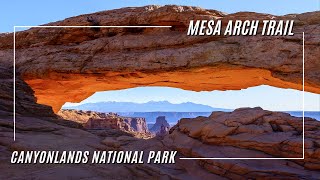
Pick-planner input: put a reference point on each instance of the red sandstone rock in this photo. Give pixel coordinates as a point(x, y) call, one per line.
point(34, 133)
point(68, 64)
point(96, 120)
point(249, 133)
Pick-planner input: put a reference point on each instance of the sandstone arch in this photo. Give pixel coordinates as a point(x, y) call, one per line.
point(68, 65)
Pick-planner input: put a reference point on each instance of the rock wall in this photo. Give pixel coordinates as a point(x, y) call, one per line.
point(69, 64)
point(96, 120)
point(25, 100)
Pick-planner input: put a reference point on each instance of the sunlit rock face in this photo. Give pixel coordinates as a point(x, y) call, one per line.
point(98, 120)
point(69, 64)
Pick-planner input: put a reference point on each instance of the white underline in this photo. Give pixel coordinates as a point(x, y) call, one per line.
point(14, 75)
point(14, 83)
point(240, 158)
point(14, 56)
point(302, 117)
point(303, 94)
point(94, 26)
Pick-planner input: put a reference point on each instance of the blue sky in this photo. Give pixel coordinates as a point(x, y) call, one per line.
point(267, 97)
point(37, 12)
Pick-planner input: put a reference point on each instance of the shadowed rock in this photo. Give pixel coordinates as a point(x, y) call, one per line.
point(160, 121)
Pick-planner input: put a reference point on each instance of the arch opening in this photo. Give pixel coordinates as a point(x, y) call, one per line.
point(174, 103)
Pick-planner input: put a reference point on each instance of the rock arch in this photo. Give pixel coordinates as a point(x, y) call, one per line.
point(69, 64)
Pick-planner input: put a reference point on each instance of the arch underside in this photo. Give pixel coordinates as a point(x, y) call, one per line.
point(62, 88)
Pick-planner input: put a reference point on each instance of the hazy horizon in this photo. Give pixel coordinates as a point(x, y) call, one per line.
point(266, 97)
point(70, 105)
point(165, 108)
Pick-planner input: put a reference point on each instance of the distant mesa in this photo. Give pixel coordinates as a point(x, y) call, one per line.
point(161, 127)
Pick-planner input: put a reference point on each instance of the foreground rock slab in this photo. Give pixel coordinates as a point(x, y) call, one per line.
point(198, 137)
point(250, 133)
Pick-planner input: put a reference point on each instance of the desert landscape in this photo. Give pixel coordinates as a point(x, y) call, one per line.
point(58, 65)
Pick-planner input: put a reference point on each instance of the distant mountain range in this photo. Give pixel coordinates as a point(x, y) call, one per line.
point(151, 106)
point(171, 117)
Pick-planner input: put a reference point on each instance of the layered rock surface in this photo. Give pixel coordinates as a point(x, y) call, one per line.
point(69, 64)
point(97, 120)
point(250, 133)
point(275, 135)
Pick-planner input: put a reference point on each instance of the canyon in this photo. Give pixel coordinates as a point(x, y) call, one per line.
point(58, 65)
